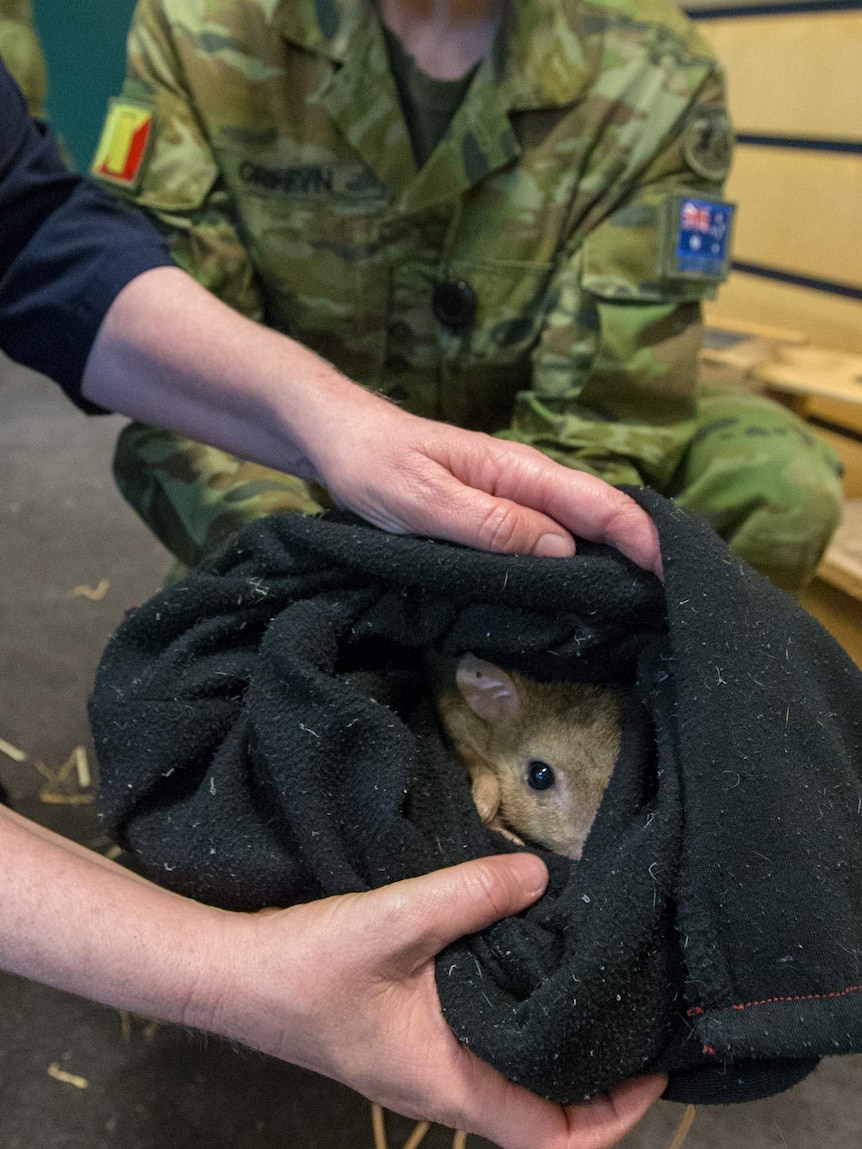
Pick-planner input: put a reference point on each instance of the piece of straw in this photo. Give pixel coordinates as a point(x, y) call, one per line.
point(93, 593)
point(12, 751)
point(417, 1135)
point(379, 1126)
point(59, 1074)
point(684, 1127)
point(82, 766)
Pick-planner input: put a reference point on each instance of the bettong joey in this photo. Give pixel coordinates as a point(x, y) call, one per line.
point(539, 754)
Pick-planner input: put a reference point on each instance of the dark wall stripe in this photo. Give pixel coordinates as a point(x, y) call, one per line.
point(838, 428)
point(844, 147)
point(774, 9)
point(825, 285)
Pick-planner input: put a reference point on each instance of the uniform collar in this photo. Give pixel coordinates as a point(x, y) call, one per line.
point(540, 62)
point(322, 26)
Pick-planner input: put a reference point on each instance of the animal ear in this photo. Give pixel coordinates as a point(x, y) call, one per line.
point(487, 690)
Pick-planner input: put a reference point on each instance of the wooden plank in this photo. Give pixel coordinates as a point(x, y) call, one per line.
point(762, 331)
point(742, 345)
point(813, 371)
point(838, 613)
point(846, 576)
point(850, 452)
point(796, 74)
point(798, 211)
point(744, 354)
point(835, 596)
point(829, 320)
point(842, 564)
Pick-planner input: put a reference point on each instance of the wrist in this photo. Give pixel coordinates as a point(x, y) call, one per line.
point(325, 418)
point(208, 967)
point(80, 923)
point(239, 991)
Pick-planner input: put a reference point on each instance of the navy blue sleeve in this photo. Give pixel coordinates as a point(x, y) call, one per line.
point(67, 249)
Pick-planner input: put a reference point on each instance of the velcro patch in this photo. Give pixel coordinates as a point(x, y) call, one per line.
point(707, 143)
point(124, 144)
point(697, 238)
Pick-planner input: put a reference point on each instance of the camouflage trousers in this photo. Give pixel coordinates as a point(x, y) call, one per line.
point(767, 484)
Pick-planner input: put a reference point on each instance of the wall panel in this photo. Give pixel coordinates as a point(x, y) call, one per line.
point(799, 211)
point(795, 95)
point(795, 74)
point(829, 320)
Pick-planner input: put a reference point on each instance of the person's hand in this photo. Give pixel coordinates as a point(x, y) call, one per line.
point(343, 986)
point(168, 352)
point(346, 987)
point(412, 475)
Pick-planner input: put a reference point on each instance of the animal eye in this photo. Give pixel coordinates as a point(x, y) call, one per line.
point(540, 776)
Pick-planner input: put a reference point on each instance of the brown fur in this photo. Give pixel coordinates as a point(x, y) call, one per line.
point(499, 721)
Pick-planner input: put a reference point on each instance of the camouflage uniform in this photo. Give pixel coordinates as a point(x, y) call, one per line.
point(21, 53)
point(280, 167)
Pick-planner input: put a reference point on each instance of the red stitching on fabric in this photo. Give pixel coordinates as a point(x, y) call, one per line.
point(696, 1010)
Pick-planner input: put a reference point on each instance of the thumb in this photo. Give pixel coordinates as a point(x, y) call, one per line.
point(426, 914)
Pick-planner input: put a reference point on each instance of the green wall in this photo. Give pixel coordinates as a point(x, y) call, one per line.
point(85, 46)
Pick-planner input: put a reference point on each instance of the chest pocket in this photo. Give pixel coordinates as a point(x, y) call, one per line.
point(486, 365)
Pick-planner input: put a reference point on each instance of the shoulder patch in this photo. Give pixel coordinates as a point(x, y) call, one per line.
point(707, 143)
point(696, 240)
point(124, 144)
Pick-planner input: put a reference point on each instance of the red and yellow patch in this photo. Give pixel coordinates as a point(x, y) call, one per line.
point(123, 145)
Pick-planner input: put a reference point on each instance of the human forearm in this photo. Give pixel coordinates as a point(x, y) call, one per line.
point(80, 923)
point(170, 353)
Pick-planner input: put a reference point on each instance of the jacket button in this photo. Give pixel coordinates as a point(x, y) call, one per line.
point(454, 303)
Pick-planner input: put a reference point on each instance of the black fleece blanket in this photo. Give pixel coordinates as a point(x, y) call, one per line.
point(265, 737)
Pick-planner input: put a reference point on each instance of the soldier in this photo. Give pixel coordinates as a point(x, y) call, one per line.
point(22, 54)
point(504, 216)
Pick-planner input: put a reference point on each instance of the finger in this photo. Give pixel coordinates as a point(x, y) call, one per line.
point(584, 503)
point(433, 502)
point(426, 914)
point(485, 1103)
point(604, 1121)
point(514, 499)
point(491, 523)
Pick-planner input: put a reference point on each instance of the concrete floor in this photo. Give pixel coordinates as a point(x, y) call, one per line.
point(62, 525)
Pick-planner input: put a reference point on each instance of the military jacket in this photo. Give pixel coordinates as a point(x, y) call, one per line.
point(21, 52)
point(273, 152)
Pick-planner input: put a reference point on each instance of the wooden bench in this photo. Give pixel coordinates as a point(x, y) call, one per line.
point(842, 563)
point(824, 386)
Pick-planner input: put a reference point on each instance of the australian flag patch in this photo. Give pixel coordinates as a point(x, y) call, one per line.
point(698, 237)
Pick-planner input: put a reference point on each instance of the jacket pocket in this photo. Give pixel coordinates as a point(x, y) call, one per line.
point(489, 362)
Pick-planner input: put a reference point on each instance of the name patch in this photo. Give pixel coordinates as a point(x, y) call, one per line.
point(309, 181)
